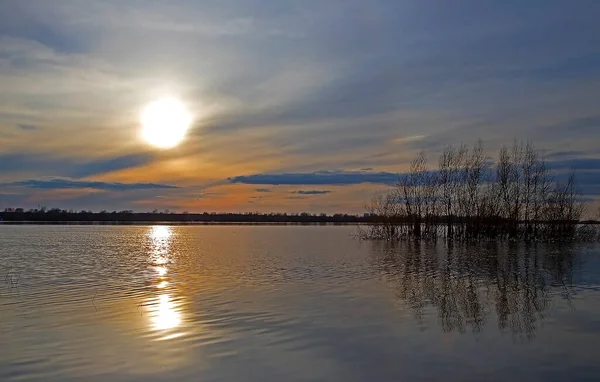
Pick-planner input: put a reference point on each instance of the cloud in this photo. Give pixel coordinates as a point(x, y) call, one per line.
point(27, 127)
point(37, 163)
point(263, 190)
point(404, 140)
point(58, 184)
point(312, 192)
point(564, 154)
point(50, 165)
point(588, 182)
point(587, 174)
point(318, 178)
point(113, 164)
point(292, 87)
point(577, 164)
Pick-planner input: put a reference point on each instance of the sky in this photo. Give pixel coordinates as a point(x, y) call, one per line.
point(298, 105)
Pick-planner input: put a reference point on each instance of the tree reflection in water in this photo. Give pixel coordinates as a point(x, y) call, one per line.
point(471, 286)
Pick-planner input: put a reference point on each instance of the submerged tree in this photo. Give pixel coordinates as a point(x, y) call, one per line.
point(474, 198)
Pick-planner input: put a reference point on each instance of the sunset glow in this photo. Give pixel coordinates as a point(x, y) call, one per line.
point(165, 122)
point(214, 108)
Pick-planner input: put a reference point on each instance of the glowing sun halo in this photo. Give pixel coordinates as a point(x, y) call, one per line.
point(165, 122)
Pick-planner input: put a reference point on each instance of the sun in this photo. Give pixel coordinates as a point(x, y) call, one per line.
point(165, 122)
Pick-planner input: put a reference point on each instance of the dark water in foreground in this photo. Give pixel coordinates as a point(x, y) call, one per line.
point(252, 303)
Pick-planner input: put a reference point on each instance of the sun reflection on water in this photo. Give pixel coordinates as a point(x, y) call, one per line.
point(164, 311)
point(166, 315)
point(160, 240)
point(161, 232)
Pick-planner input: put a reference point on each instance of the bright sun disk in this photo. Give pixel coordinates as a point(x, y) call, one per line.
point(165, 122)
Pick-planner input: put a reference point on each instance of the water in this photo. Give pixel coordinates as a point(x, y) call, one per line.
point(290, 303)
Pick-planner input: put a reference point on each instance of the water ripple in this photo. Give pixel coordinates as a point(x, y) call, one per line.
point(288, 303)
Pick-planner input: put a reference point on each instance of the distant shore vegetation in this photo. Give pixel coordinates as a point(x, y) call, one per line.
point(468, 196)
point(56, 215)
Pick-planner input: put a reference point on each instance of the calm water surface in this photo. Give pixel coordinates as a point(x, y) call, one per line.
point(290, 303)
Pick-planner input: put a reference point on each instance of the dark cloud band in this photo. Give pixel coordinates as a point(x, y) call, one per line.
point(318, 178)
point(61, 184)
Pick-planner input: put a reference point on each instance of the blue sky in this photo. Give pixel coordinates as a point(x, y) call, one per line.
point(284, 90)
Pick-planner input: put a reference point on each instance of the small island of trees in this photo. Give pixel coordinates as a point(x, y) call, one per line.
point(470, 197)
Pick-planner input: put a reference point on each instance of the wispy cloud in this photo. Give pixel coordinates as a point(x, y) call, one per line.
point(102, 166)
point(577, 164)
point(409, 139)
point(50, 165)
point(281, 89)
point(58, 184)
point(27, 127)
point(555, 155)
point(312, 192)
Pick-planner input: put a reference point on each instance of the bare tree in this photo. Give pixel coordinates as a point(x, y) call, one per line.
point(473, 174)
point(519, 200)
point(413, 186)
point(386, 215)
point(446, 185)
point(449, 180)
point(563, 209)
point(542, 184)
point(504, 177)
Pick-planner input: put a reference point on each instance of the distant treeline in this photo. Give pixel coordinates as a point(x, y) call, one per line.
point(469, 196)
point(58, 215)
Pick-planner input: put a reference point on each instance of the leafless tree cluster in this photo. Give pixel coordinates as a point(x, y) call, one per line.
point(469, 196)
